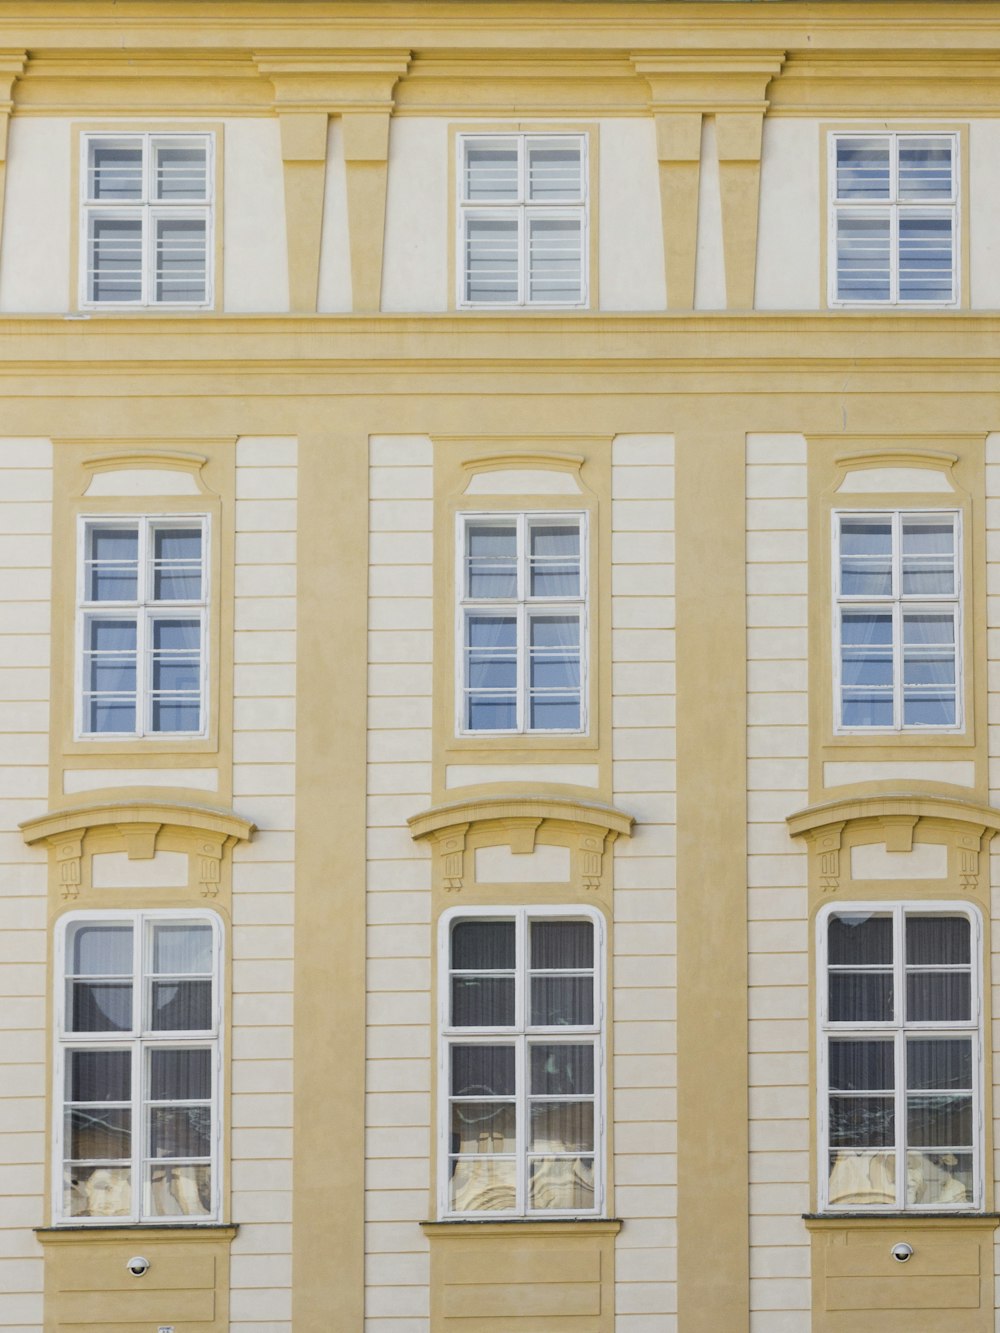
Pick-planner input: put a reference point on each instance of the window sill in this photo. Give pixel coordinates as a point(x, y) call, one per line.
point(834, 1221)
point(118, 1230)
point(523, 1226)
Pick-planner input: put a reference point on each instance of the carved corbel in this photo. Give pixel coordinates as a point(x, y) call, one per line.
point(968, 846)
point(210, 866)
point(828, 845)
point(452, 846)
point(592, 847)
point(522, 835)
point(68, 856)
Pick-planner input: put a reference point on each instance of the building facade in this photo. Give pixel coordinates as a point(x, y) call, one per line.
point(499, 666)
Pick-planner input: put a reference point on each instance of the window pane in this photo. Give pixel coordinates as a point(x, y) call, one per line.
point(177, 564)
point(565, 944)
point(938, 940)
point(562, 1127)
point(483, 946)
point(928, 559)
point(866, 669)
point(929, 669)
point(944, 1065)
point(861, 997)
point(857, 1066)
point(863, 258)
point(554, 171)
point(555, 560)
point(180, 1131)
point(181, 172)
point(99, 1076)
point(99, 1134)
point(179, 1191)
point(925, 259)
point(865, 1178)
point(183, 1075)
point(176, 679)
point(115, 171)
point(863, 169)
point(862, 1122)
point(100, 1007)
point(181, 260)
point(115, 259)
point(110, 716)
point(491, 644)
point(183, 949)
point(562, 1183)
point(562, 1001)
point(559, 1069)
point(555, 653)
point(101, 951)
point(491, 260)
point(480, 1183)
point(492, 560)
point(555, 265)
point(101, 1191)
point(491, 171)
point(865, 557)
point(111, 657)
point(482, 1002)
point(482, 1127)
point(181, 1006)
point(939, 1178)
point(114, 567)
point(939, 1122)
point(925, 168)
point(938, 997)
point(482, 1071)
point(859, 939)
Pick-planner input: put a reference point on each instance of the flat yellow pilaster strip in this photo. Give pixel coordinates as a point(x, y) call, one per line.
point(12, 65)
point(712, 1133)
point(678, 147)
point(366, 157)
point(739, 140)
point(303, 151)
point(329, 1052)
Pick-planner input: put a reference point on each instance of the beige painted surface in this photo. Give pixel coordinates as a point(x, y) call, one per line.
point(335, 256)
point(39, 216)
point(710, 264)
point(984, 188)
point(777, 784)
point(631, 241)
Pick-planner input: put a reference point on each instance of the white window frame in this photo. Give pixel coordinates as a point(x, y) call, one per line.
point(897, 602)
point(899, 1029)
point(891, 208)
point(145, 610)
point(524, 607)
point(149, 210)
point(139, 1041)
point(525, 211)
point(519, 1035)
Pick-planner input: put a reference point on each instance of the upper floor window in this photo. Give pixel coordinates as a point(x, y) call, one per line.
point(522, 623)
point(147, 220)
point(522, 220)
point(895, 219)
point(137, 1125)
point(898, 620)
point(143, 592)
point(900, 1064)
point(522, 1114)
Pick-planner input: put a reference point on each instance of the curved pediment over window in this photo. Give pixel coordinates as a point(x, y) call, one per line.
point(871, 845)
point(146, 847)
point(522, 840)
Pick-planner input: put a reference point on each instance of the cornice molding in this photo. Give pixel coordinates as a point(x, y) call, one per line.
point(816, 819)
point(442, 820)
point(57, 824)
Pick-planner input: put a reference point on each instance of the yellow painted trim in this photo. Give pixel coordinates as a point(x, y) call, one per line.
point(198, 818)
point(535, 1226)
point(906, 804)
point(444, 818)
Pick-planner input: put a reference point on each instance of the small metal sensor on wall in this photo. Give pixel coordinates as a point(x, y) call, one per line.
point(902, 1252)
point(137, 1265)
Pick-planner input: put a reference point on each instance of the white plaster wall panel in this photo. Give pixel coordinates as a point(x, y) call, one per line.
point(25, 590)
point(400, 1040)
point(710, 261)
point(415, 258)
point(334, 289)
point(630, 258)
point(263, 883)
point(777, 784)
point(644, 1107)
point(38, 217)
point(789, 231)
point(255, 252)
point(984, 196)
